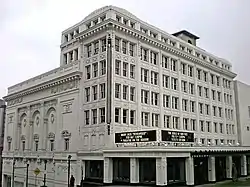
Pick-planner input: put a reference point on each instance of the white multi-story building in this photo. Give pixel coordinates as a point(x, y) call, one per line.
point(128, 98)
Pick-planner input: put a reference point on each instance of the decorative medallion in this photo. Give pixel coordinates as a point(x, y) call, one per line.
point(37, 120)
point(66, 134)
point(51, 136)
point(9, 139)
point(36, 137)
point(23, 137)
point(52, 118)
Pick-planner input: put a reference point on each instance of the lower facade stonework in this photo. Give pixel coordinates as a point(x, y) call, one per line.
point(157, 170)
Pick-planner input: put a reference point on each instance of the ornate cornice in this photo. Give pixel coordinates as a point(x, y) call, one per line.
point(51, 83)
point(111, 24)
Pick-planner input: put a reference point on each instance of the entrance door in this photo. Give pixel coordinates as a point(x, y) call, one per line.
point(237, 161)
point(121, 170)
point(176, 170)
point(200, 170)
point(220, 168)
point(147, 170)
point(94, 170)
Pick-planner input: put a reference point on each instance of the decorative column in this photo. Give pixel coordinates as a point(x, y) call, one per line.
point(161, 171)
point(45, 133)
point(18, 135)
point(189, 166)
point(211, 169)
point(243, 165)
point(134, 170)
point(229, 163)
point(108, 170)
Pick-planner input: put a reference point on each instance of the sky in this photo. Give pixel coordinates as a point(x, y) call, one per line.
point(30, 30)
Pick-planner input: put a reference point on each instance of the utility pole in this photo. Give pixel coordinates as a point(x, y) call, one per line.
point(27, 175)
point(69, 157)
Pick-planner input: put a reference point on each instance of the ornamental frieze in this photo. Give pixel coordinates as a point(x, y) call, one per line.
point(64, 87)
point(15, 101)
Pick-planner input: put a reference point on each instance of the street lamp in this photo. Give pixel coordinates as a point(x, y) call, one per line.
point(44, 175)
point(69, 157)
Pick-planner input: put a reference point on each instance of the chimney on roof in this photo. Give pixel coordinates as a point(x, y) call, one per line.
point(186, 36)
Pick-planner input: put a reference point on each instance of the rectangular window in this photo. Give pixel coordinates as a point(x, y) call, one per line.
point(166, 101)
point(175, 102)
point(125, 116)
point(23, 145)
point(102, 90)
point(175, 122)
point(89, 50)
point(191, 88)
point(185, 123)
point(117, 44)
point(102, 115)
point(173, 65)
point(202, 126)
point(96, 47)
point(201, 108)
point(155, 120)
point(154, 78)
point(117, 115)
point(184, 68)
point(219, 96)
point(184, 86)
point(94, 91)
point(36, 145)
point(144, 54)
point(145, 96)
point(88, 74)
point(218, 80)
point(221, 127)
point(103, 67)
point(192, 106)
point(199, 90)
point(205, 76)
point(208, 126)
point(66, 144)
point(86, 117)
point(214, 110)
point(132, 71)
point(215, 127)
point(52, 143)
point(125, 92)
point(193, 124)
point(206, 92)
point(220, 111)
point(153, 58)
point(165, 62)
point(95, 69)
point(104, 44)
point(212, 78)
point(94, 116)
point(144, 118)
point(190, 71)
point(166, 121)
point(154, 98)
point(132, 117)
point(144, 75)
point(124, 47)
point(117, 67)
point(206, 109)
point(9, 146)
point(125, 69)
point(165, 81)
point(198, 74)
point(174, 83)
point(87, 94)
point(131, 49)
point(213, 94)
point(132, 93)
point(117, 90)
point(185, 105)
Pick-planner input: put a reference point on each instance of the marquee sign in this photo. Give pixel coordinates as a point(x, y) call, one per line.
point(176, 136)
point(136, 136)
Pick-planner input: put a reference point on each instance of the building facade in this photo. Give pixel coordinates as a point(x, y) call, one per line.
point(128, 98)
point(242, 111)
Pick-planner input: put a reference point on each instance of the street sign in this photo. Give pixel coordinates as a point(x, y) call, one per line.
point(37, 171)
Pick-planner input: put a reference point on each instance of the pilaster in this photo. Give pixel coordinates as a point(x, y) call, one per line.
point(243, 165)
point(108, 170)
point(161, 171)
point(229, 163)
point(45, 133)
point(211, 169)
point(189, 166)
point(134, 170)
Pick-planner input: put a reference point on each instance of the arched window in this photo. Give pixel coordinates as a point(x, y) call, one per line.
point(189, 41)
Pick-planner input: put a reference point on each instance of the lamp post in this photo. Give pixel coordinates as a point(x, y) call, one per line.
point(44, 175)
point(27, 174)
point(69, 157)
point(13, 172)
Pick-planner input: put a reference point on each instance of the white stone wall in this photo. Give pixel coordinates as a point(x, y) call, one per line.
point(242, 101)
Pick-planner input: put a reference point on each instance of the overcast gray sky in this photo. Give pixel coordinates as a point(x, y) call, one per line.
point(30, 30)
